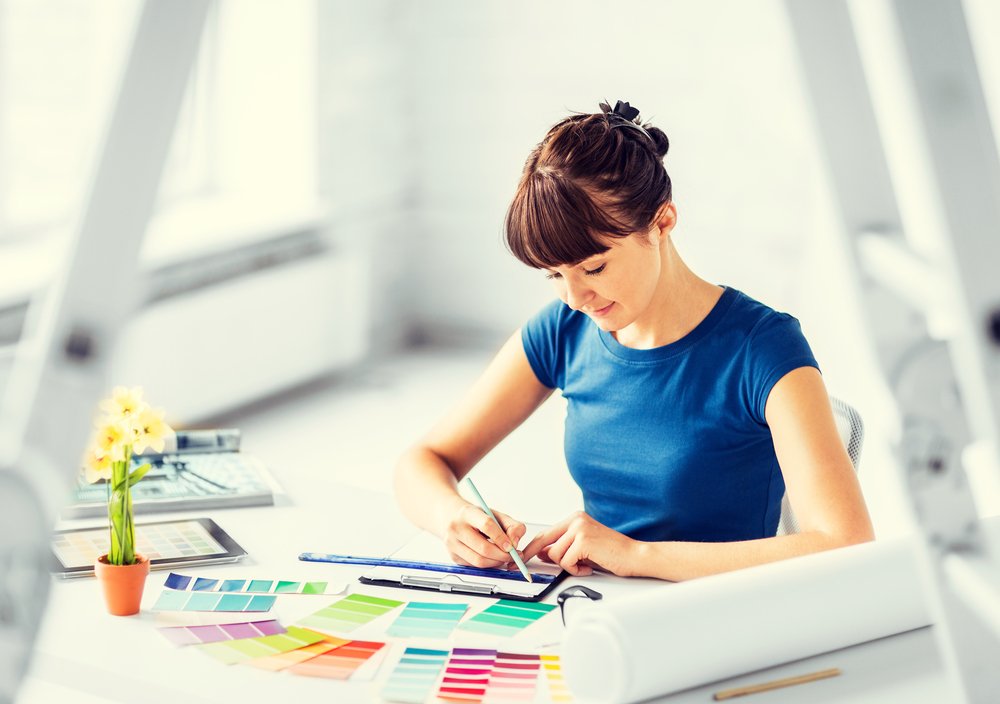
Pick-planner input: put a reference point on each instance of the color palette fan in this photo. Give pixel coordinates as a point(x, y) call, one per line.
point(340, 663)
point(415, 675)
point(489, 676)
point(467, 675)
point(235, 651)
point(344, 615)
point(427, 620)
point(171, 600)
point(506, 617)
point(558, 691)
point(182, 582)
point(282, 661)
point(513, 677)
point(194, 635)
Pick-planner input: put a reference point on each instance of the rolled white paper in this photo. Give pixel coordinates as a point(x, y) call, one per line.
point(691, 633)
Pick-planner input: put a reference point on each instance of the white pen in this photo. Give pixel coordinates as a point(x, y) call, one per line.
point(512, 552)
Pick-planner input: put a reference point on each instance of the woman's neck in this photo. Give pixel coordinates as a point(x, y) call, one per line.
point(681, 301)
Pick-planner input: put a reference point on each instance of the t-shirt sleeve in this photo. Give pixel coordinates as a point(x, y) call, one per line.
point(776, 346)
point(541, 340)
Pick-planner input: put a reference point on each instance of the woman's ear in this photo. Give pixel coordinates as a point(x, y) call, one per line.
point(666, 219)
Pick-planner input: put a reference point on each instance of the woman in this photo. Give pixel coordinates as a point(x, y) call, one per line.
point(691, 408)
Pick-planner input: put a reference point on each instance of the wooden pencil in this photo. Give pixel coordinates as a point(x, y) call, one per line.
point(775, 684)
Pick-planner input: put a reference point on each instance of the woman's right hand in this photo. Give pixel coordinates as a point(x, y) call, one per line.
point(473, 538)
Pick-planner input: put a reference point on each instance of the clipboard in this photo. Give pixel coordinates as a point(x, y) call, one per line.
point(423, 563)
point(498, 586)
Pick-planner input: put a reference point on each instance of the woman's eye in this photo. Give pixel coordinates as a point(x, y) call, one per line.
point(552, 275)
point(595, 272)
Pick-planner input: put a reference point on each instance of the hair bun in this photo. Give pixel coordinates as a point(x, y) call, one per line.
point(629, 114)
point(659, 137)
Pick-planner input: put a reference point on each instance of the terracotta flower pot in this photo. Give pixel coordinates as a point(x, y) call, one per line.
point(122, 584)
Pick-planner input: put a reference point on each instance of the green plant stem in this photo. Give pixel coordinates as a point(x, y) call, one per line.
point(120, 513)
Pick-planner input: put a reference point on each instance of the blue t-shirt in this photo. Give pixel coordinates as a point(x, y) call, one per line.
point(671, 443)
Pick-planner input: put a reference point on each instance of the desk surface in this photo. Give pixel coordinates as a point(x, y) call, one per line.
point(95, 657)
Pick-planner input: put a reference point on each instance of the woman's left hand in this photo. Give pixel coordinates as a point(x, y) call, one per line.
point(579, 543)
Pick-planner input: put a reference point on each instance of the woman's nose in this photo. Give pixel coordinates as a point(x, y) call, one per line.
point(577, 295)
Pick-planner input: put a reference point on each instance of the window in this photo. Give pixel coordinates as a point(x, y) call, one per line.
point(242, 166)
point(60, 62)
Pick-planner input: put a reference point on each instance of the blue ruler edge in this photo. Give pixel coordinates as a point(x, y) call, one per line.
point(541, 578)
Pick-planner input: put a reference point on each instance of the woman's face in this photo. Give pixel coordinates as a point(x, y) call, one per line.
point(615, 288)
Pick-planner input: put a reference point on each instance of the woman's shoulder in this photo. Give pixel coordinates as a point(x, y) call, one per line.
point(770, 339)
point(752, 316)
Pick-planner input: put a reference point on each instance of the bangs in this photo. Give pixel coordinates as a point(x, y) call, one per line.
point(552, 221)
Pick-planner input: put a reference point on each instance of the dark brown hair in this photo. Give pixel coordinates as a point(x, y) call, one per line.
point(593, 176)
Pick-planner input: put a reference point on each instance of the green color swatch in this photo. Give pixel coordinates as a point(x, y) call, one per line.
point(427, 620)
point(348, 613)
point(506, 617)
point(235, 651)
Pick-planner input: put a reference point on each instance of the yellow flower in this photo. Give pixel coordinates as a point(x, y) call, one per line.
point(150, 430)
point(124, 403)
point(112, 437)
point(97, 466)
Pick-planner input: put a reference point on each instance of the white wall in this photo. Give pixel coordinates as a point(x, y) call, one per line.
point(460, 92)
point(367, 151)
point(493, 79)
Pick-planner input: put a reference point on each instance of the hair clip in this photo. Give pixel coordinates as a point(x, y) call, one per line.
point(623, 110)
point(628, 114)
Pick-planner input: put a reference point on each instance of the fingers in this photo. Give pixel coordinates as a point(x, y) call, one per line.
point(467, 547)
point(568, 553)
point(557, 551)
point(545, 538)
point(475, 539)
point(478, 519)
point(515, 529)
point(464, 555)
point(536, 546)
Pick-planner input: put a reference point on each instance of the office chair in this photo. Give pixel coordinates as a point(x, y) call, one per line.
point(852, 432)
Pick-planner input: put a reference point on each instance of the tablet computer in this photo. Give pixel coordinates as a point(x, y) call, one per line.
point(179, 543)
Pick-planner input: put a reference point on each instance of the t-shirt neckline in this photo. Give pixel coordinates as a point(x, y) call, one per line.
point(677, 346)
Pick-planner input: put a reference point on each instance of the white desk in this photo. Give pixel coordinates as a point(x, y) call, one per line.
point(89, 656)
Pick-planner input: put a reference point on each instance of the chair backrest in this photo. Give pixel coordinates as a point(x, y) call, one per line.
point(852, 432)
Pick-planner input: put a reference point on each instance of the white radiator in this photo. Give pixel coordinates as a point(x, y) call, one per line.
point(208, 350)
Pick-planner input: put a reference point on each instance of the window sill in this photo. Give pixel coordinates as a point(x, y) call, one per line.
point(196, 230)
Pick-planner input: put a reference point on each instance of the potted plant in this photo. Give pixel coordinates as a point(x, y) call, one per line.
point(126, 427)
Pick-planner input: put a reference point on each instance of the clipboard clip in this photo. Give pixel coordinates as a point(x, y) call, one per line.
point(444, 585)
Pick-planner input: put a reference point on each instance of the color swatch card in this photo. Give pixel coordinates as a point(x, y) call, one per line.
point(194, 635)
point(171, 600)
point(251, 586)
point(506, 618)
point(346, 614)
point(415, 675)
point(513, 678)
point(552, 667)
point(473, 675)
point(234, 651)
point(339, 663)
point(427, 620)
point(282, 661)
point(467, 675)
